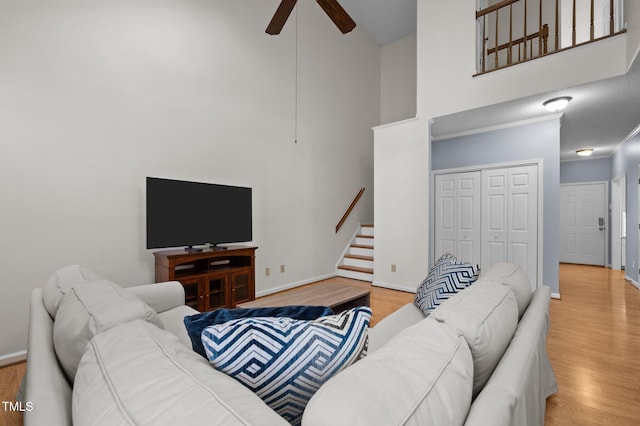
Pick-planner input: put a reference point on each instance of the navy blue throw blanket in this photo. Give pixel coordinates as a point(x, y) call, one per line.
point(198, 322)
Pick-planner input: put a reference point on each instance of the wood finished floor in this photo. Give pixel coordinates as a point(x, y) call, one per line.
point(10, 378)
point(594, 345)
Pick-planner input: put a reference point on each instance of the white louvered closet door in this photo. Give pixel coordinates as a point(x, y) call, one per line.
point(510, 218)
point(458, 215)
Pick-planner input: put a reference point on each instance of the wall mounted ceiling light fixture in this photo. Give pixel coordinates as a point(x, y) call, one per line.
point(585, 152)
point(556, 104)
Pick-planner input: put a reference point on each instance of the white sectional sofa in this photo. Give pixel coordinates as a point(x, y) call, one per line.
point(479, 359)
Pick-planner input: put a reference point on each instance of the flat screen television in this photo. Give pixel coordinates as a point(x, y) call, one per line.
point(182, 213)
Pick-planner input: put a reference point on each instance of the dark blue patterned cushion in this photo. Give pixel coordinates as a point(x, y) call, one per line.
point(284, 361)
point(198, 322)
point(447, 277)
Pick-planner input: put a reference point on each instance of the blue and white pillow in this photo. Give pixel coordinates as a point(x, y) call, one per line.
point(447, 277)
point(285, 361)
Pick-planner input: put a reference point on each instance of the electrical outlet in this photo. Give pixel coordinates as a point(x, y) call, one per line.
point(282, 269)
point(267, 271)
point(393, 267)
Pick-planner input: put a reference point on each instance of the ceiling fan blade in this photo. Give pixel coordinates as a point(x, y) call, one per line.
point(281, 16)
point(338, 15)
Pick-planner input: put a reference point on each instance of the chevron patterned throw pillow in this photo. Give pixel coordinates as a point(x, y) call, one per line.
point(447, 277)
point(284, 361)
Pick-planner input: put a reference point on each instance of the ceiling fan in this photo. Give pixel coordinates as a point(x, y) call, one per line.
point(331, 7)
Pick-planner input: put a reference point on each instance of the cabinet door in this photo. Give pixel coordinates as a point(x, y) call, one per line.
point(192, 293)
point(241, 286)
point(216, 291)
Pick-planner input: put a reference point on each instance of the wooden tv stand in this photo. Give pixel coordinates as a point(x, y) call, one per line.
point(211, 279)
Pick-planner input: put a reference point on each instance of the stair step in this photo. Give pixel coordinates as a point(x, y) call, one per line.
point(363, 240)
point(366, 232)
point(367, 226)
point(355, 275)
point(362, 246)
point(356, 269)
point(355, 256)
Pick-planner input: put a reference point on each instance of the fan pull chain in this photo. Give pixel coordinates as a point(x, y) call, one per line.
point(295, 118)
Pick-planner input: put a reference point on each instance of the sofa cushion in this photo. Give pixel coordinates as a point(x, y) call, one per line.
point(136, 373)
point(88, 310)
point(517, 391)
point(61, 281)
point(196, 323)
point(284, 361)
point(487, 315)
point(447, 277)
point(512, 276)
point(422, 377)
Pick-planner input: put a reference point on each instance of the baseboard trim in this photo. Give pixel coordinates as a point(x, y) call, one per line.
point(393, 287)
point(635, 283)
point(555, 296)
point(293, 285)
point(13, 358)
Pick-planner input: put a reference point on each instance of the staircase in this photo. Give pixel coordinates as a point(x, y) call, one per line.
point(357, 261)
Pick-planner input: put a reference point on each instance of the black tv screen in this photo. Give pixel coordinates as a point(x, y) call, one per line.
point(181, 213)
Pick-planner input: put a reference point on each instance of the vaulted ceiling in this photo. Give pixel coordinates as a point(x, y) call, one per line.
point(384, 20)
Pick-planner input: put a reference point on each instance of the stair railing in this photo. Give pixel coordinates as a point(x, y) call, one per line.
point(515, 31)
point(349, 209)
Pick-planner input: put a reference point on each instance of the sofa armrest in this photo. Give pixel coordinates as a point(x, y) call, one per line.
point(45, 385)
point(161, 296)
point(393, 324)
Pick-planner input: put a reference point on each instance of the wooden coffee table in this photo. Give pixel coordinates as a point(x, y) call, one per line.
point(338, 297)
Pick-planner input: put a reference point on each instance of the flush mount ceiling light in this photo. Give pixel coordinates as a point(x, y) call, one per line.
point(584, 152)
point(556, 104)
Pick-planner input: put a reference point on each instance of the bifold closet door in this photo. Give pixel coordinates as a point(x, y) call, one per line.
point(458, 214)
point(510, 218)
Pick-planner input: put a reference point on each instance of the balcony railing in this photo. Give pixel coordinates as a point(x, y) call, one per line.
point(514, 31)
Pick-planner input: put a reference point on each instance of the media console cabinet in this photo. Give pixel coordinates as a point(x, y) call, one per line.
point(211, 278)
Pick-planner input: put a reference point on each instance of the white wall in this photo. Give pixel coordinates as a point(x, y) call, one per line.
point(625, 162)
point(94, 96)
point(446, 64)
point(401, 204)
point(398, 80)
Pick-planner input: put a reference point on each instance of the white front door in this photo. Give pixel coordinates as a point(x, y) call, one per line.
point(583, 223)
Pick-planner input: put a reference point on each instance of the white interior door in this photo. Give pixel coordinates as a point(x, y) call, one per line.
point(494, 217)
point(583, 223)
point(445, 229)
point(510, 218)
point(468, 217)
point(457, 218)
point(523, 219)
